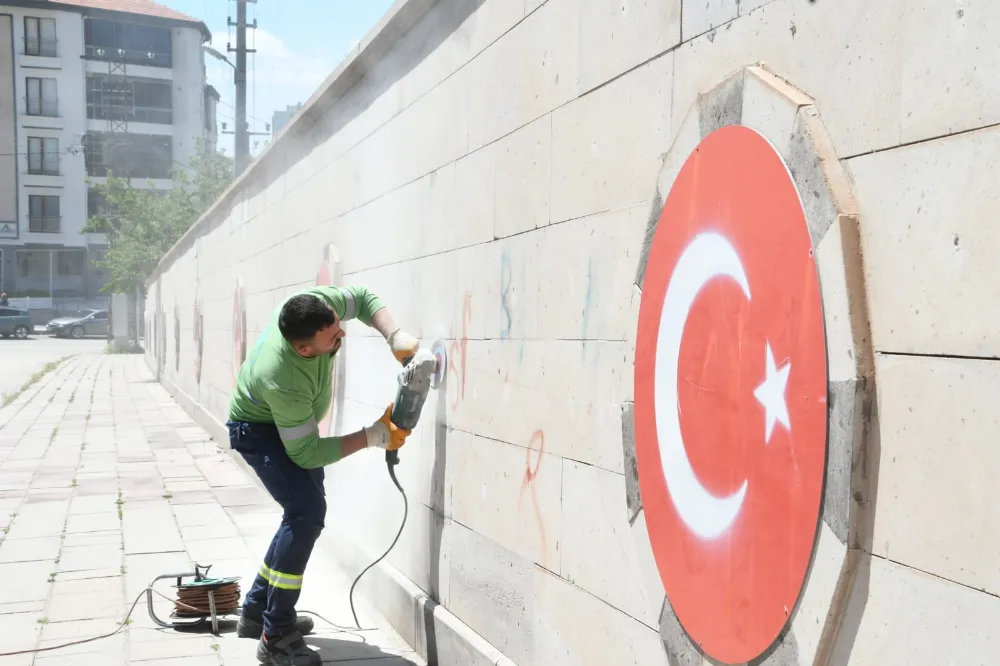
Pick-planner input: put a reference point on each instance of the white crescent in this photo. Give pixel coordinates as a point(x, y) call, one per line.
point(708, 256)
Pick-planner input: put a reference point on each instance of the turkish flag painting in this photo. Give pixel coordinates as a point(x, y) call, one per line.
point(731, 395)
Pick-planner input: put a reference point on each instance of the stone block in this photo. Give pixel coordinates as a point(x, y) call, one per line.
point(510, 311)
point(29, 550)
point(149, 527)
point(459, 206)
point(770, 106)
point(516, 498)
point(824, 593)
point(580, 628)
point(492, 590)
point(20, 633)
point(86, 600)
point(605, 143)
point(837, 290)
point(804, 44)
point(586, 294)
point(700, 17)
point(598, 551)
point(939, 461)
point(528, 72)
point(942, 83)
point(209, 550)
point(28, 581)
point(898, 615)
point(747, 6)
point(425, 136)
point(917, 214)
point(523, 167)
point(509, 395)
point(623, 35)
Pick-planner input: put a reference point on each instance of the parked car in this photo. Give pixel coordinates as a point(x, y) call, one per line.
point(90, 322)
point(15, 322)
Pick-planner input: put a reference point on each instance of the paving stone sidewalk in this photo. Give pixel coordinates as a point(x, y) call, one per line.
point(106, 483)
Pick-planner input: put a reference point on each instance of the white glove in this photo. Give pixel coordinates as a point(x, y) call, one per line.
point(403, 344)
point(384, 434)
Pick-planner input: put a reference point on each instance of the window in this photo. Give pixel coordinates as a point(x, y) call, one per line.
point(43, 214)
point(69, 263)
point(43, 155)
point(39, 36)
point(134, 155)
point(135, 43)
point(42, 98)
point(137, 100)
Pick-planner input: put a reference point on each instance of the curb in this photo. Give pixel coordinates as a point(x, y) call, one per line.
point(434, 632)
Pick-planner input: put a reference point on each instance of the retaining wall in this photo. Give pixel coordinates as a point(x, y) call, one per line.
point(497, 171)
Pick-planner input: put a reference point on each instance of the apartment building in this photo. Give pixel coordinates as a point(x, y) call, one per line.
point(88, 87)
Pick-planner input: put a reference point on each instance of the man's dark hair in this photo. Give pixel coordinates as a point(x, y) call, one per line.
point(303, 316)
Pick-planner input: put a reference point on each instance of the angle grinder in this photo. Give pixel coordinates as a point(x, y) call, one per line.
point(421, 372)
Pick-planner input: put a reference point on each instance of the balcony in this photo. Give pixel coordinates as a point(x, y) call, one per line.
point(43, 48)
point(129, 56)
point(132, 114)
point(45, 224)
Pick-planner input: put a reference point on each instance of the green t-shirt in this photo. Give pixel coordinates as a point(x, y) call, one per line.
point(277, 385)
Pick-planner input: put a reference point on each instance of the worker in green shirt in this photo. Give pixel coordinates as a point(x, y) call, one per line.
point(282, 392)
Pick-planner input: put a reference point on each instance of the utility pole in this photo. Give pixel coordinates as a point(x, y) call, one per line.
point(240, 79)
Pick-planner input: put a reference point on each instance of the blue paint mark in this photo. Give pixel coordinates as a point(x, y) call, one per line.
point(505, 280)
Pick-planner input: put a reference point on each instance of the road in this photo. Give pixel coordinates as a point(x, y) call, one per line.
point(20, 359)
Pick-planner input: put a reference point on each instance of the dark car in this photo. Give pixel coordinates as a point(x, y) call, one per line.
point(90, 322)
point(15, 322)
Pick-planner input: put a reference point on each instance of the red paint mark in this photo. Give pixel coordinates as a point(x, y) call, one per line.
point(536, 444)
point(456, 351)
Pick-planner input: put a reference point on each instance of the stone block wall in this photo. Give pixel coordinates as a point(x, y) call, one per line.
point(495, 171)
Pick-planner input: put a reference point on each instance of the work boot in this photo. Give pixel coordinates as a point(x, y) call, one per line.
point(250, 628)
point(288, 651)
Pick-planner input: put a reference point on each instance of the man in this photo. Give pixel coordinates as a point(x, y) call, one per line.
point(283, 390)
point(4, 302)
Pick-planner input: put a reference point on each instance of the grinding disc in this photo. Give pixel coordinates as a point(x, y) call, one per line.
point(442, 364)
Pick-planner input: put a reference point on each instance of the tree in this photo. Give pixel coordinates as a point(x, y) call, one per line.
point(142, 224)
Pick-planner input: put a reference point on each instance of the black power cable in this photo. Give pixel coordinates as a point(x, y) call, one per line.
point(391, 460)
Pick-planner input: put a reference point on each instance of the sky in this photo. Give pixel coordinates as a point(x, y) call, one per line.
point(298, 42)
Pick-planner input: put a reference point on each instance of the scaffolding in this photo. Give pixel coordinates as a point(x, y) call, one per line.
point(117, 107)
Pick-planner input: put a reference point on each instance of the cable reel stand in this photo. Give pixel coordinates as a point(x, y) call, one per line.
point(199, 600)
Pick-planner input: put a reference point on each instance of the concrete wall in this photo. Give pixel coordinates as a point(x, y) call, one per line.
point(495, 171)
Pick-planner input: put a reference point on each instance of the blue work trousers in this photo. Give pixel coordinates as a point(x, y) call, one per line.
point(301, 494)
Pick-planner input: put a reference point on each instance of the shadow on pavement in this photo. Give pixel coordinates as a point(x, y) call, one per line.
point(337, 650)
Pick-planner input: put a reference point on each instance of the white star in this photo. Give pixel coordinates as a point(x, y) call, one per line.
point(771, 394)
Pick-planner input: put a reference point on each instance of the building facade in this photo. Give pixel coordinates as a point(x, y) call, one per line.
point(88, 88)
point(280, 118)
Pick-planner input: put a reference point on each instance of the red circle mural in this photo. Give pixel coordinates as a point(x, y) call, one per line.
point(198, 337)
point(730, 395)
point(325, 278)
point(239, 329)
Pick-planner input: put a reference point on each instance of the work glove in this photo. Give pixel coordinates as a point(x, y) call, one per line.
point(384, 434)
point(403, 344)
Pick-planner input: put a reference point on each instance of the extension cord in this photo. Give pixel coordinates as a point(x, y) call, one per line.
point(406, 508)
point(391, 459)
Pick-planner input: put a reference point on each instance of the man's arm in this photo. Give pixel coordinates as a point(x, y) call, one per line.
point(300, 434)
point(361, 303)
